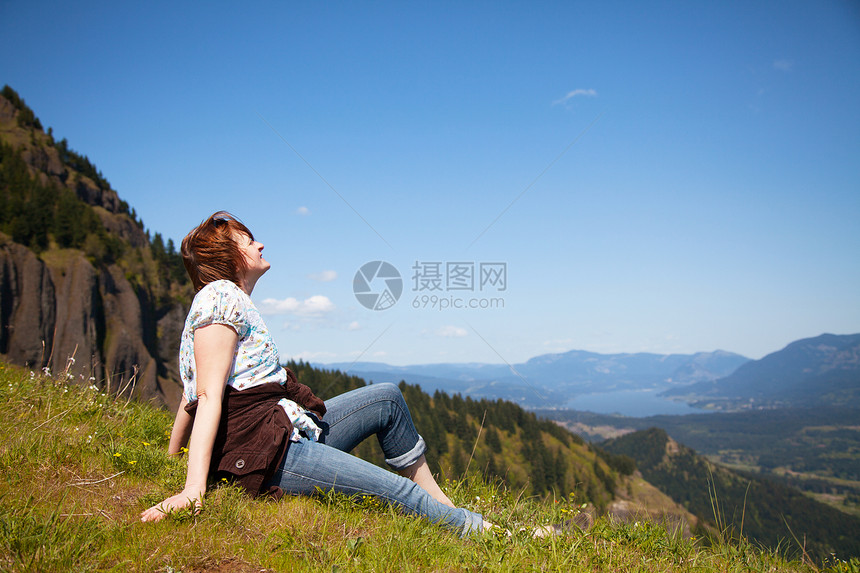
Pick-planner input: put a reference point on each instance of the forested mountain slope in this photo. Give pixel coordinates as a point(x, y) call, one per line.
point(82, 285)
point(764, 511)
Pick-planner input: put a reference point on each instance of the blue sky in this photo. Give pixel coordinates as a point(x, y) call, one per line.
point(659, 176)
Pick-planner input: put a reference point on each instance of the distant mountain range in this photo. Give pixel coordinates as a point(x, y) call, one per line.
point(552, 380)
point(824, 370)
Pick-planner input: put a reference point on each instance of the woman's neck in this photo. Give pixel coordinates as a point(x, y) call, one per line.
point(247, 286)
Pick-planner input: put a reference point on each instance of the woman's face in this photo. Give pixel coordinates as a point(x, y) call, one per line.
point(255, 264)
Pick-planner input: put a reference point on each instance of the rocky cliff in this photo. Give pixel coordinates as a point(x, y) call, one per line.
point(103, 311)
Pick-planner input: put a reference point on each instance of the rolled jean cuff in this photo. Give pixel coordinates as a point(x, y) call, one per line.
point(410, 457)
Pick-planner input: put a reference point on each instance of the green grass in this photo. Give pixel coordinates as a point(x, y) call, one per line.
point(79, 467)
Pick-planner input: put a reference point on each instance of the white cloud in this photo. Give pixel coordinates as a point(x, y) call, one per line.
point(559, 342)
point(783, 65)
point(354, 325)
point(452, 332)
point(316, 305)
point(323, 276)
point(574, 93)
point(303, 210)
point(309, 356)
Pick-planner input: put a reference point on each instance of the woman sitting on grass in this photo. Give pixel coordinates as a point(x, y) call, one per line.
point(249, 419)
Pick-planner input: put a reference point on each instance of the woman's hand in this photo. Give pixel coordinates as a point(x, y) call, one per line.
point(181, 500)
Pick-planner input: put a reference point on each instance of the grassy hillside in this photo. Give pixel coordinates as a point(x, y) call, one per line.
point(767, 512)
point(80, 465)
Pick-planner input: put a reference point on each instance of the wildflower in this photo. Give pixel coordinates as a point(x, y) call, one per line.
point(46, 371)
point(183, 449)
point(132, 462)
point(145, 443)
point(117, 455)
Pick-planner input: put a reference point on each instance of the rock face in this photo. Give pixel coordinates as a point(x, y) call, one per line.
point(70, 315)
point(79, 328)
point(27, 306)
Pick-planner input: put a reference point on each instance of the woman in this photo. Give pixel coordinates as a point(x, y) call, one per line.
point(250, 420)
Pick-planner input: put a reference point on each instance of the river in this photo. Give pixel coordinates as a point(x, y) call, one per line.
point(634, 403)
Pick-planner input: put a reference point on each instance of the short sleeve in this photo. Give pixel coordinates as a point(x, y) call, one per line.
point(220, 302)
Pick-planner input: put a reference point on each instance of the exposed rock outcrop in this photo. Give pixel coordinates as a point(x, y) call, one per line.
point(27, 306)
point(66, 308)
point(79, 328)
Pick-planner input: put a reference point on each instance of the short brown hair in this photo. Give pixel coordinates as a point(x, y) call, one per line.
point(210, 251)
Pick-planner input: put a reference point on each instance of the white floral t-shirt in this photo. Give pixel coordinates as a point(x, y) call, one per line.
point(257, 360)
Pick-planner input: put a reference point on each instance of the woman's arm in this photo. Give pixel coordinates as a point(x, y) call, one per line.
point(181, 429)
point(214, 350)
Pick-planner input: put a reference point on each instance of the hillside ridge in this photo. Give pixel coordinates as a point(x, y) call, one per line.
point(725, 500)
point(83, 287)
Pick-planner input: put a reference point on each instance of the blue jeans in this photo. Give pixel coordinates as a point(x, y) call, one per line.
point(350, 418)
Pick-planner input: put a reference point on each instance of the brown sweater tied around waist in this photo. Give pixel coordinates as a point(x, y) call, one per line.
point(254, 432)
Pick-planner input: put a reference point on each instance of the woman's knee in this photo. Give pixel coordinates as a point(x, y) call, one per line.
point(388, 391)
